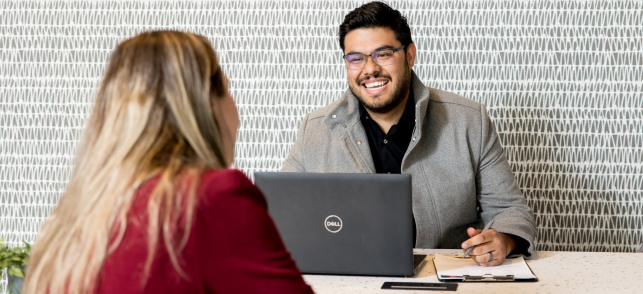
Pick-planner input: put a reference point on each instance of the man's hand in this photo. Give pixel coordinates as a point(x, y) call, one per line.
point(499, 244)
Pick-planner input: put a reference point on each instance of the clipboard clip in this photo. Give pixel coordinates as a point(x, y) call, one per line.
point(488, 278)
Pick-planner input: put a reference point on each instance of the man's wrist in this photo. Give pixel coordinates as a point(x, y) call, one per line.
point(510, 243)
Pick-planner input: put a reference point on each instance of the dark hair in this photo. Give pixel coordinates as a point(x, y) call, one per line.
point(376, 15)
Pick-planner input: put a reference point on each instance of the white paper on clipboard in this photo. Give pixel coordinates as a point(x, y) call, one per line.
point(453, 267)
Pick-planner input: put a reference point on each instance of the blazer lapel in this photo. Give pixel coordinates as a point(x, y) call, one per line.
point(357, 143)
point(421, 95)
point(343, 122)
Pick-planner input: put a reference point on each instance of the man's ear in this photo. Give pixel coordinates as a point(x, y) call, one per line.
point(411, 52)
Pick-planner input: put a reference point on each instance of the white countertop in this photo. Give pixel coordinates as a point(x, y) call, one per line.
point(557, 272)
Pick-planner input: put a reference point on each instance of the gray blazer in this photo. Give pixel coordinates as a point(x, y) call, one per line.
point(461, 177)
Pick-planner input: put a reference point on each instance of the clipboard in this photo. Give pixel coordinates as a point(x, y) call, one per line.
point(457, 269)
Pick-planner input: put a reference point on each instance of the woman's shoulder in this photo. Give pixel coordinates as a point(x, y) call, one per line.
point(227, 185)
point(230, 175)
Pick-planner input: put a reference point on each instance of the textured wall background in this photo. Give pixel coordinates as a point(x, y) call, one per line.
point(562, 81)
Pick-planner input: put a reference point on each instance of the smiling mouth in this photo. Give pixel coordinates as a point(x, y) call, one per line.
point(375, 85)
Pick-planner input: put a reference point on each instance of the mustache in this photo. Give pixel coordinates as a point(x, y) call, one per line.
point(359, 81)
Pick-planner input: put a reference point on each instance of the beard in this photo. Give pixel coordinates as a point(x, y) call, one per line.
point(401, 90)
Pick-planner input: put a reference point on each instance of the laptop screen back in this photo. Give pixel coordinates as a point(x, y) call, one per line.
point(359, 224)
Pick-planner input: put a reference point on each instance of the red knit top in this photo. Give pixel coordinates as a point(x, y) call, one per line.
point(233, 247)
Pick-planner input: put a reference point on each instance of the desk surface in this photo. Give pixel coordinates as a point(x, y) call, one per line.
point(557, 272)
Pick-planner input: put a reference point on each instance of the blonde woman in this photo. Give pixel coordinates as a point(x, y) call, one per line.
point(151, 206)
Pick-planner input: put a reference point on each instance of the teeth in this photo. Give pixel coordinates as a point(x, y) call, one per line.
point(374, 84)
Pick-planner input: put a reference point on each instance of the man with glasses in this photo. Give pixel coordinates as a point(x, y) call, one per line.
point(389, 122)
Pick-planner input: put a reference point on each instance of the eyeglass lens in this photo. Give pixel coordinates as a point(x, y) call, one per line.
point(381, 58)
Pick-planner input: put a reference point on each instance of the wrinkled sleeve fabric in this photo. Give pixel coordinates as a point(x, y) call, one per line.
point(499, 196)
point(295, 160)
point(239, 247)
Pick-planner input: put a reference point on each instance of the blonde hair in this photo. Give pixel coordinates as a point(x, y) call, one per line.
point(154, 113)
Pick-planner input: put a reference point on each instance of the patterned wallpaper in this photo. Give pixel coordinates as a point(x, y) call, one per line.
point(562, 81)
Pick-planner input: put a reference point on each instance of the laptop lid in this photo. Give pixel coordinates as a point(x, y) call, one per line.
point(355, 224)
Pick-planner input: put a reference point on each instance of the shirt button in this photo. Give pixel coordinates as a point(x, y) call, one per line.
point(367, 117)
point(385, 141)
point(359, 142)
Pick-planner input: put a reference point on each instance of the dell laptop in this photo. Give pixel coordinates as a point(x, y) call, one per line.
point(348, 224)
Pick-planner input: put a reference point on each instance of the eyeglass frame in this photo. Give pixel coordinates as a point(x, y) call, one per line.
point(371, 56)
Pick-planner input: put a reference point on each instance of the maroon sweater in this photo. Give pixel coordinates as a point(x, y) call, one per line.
point(233, 247)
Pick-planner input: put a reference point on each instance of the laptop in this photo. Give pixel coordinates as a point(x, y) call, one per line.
point(346, 224)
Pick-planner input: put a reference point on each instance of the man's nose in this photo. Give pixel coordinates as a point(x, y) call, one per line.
point(370, 68)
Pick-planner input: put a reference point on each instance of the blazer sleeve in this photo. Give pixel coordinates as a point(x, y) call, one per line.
point(295, 160)
point(238, 244)
point(499, 196)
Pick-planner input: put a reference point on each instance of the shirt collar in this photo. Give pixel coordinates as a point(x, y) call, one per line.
point(362, 110)
point(409, 112)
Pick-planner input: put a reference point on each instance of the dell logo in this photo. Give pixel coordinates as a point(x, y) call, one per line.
point(333, 223)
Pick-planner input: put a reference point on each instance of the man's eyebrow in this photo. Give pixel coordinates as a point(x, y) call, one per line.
point(376, 49)
point(354, 52)
point(383, 47)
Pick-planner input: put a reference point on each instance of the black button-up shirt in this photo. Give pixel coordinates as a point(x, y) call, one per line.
point(388, 149)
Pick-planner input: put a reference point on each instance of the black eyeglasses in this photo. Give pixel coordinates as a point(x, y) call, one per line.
point(380, 57)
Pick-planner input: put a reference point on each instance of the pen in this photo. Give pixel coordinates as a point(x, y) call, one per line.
point(488, 226)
